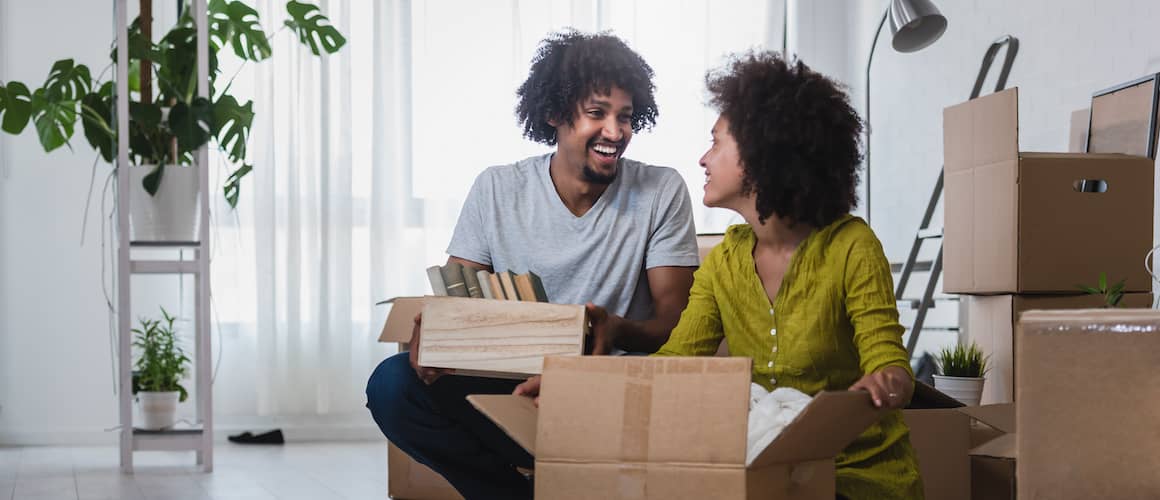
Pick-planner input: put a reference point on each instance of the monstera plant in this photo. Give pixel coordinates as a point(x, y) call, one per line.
point(166, 128)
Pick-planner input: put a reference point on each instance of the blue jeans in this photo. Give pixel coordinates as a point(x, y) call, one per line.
point(436, 426)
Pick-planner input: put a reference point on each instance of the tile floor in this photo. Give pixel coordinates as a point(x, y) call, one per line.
point(294, 471)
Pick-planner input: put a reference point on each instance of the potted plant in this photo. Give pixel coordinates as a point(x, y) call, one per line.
point(160, 367)
point(1112, 295)
point(167, 127)
point(961, 371)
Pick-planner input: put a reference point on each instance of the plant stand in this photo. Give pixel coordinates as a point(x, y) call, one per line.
point(198, 438)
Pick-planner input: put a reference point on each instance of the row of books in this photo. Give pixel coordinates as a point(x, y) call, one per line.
point(457, 280)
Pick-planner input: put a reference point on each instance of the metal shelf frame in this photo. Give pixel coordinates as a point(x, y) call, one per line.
point(199, 439)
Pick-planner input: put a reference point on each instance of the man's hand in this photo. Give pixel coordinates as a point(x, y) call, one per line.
point(427, 375)
point(890, 387)
point(604, 328)
point(531, 389)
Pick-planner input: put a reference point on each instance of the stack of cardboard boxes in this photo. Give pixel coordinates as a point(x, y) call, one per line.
point(1023, 230)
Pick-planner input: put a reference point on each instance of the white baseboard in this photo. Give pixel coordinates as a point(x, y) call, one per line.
point(295, 429)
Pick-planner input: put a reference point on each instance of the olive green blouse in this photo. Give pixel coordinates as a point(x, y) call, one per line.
point(834, 320)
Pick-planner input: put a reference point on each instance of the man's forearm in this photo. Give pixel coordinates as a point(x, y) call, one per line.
point(644, 336)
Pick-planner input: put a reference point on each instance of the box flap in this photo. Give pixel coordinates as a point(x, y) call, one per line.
point(516, 415)
point(823, 429)
point(926, 397)
point(401, 320)
point(1000, 447)
point(1000, 416)
point(982, 131)
point(644, 409)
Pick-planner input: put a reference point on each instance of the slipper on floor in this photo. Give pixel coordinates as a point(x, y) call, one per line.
point(272, 437)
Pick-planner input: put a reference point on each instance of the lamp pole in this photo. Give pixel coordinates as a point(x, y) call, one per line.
point(869, 61)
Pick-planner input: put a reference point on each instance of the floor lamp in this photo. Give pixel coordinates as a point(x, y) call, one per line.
point(914, 24)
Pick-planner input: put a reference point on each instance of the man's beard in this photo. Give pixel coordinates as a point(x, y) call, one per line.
point(595, 177)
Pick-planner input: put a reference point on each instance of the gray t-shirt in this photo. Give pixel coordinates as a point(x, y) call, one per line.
point(514, 220)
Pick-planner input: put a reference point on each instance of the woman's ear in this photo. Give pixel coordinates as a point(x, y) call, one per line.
point(554, 122)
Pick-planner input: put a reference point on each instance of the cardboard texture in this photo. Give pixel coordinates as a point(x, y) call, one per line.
point(993, 454)
point(411, 480)
point(941, 440)
point(1087, 409)
point(1078, 131)
point(992, 326)
point(406, 478)
point(1018, 222)
point(1120, 120)
point(706, 242)
point(671, 428)
point(497, 337)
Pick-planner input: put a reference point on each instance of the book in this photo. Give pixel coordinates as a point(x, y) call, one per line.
point(435, 276)
point(509, 286)
point(484, 284)
point(538, 287)
point(453, 278)
point(471, 282)
point(524, 287)
point(496, 287)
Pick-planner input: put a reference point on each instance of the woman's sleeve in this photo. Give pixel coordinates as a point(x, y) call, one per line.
point(699, 332)
point(871, 308)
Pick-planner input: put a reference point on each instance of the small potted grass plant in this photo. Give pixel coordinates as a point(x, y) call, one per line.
point(960, 373)
point(161, 366)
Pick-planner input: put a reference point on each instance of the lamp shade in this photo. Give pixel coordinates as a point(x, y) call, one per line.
point(915, 24)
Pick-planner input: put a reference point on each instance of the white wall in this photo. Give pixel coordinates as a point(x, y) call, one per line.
point(56, 379)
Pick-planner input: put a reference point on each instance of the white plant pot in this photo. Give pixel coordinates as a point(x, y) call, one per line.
point(968, 390)
point(173, 214)
point(158, 409)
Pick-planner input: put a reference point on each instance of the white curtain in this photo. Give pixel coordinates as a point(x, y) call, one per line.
point(361, 161)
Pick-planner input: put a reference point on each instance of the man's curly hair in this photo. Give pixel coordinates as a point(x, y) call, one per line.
point(568, 67)
point(797, 136)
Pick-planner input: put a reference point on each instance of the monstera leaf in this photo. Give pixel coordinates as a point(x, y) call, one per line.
point(177, 71)
point(15, 106)
point(55, 119)
point(97, 118)
point(233, 184)
point(67, 81)
point(314, 29)
point(232, 126)
point(191, 123)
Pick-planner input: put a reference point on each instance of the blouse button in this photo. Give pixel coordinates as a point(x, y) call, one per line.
point(773, 331)
point(774, 348)
point(770, 364)
point(772, 381)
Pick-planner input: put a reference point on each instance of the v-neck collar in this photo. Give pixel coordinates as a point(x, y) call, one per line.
point(600, 202)
point(755, 278)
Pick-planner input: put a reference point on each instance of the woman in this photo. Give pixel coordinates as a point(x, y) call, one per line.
point(803, 288)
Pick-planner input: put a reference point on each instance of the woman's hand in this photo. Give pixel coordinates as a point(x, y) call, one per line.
point(890, 387)
point(531, 389)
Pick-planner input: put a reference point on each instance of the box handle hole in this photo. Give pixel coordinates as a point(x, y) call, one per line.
point(1090, 186)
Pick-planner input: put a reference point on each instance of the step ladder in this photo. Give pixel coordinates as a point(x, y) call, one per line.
point(926, 233)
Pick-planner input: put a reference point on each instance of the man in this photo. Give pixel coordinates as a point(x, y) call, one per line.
point(596, 227)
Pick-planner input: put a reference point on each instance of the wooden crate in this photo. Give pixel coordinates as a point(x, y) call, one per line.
point(498, 338)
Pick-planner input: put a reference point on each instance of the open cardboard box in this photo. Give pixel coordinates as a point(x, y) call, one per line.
point(1019, 222)
point(406, 478)
point(670, 428)
point(943, 433)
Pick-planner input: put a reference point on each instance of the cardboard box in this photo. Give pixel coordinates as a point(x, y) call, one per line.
point(411, 480)
point(991, 324)
point(993, 451)
point(1086, 416)
point(1018, 222)
point(670, 428)
point(706, 242)
point(498, 338)
point(406, 478)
